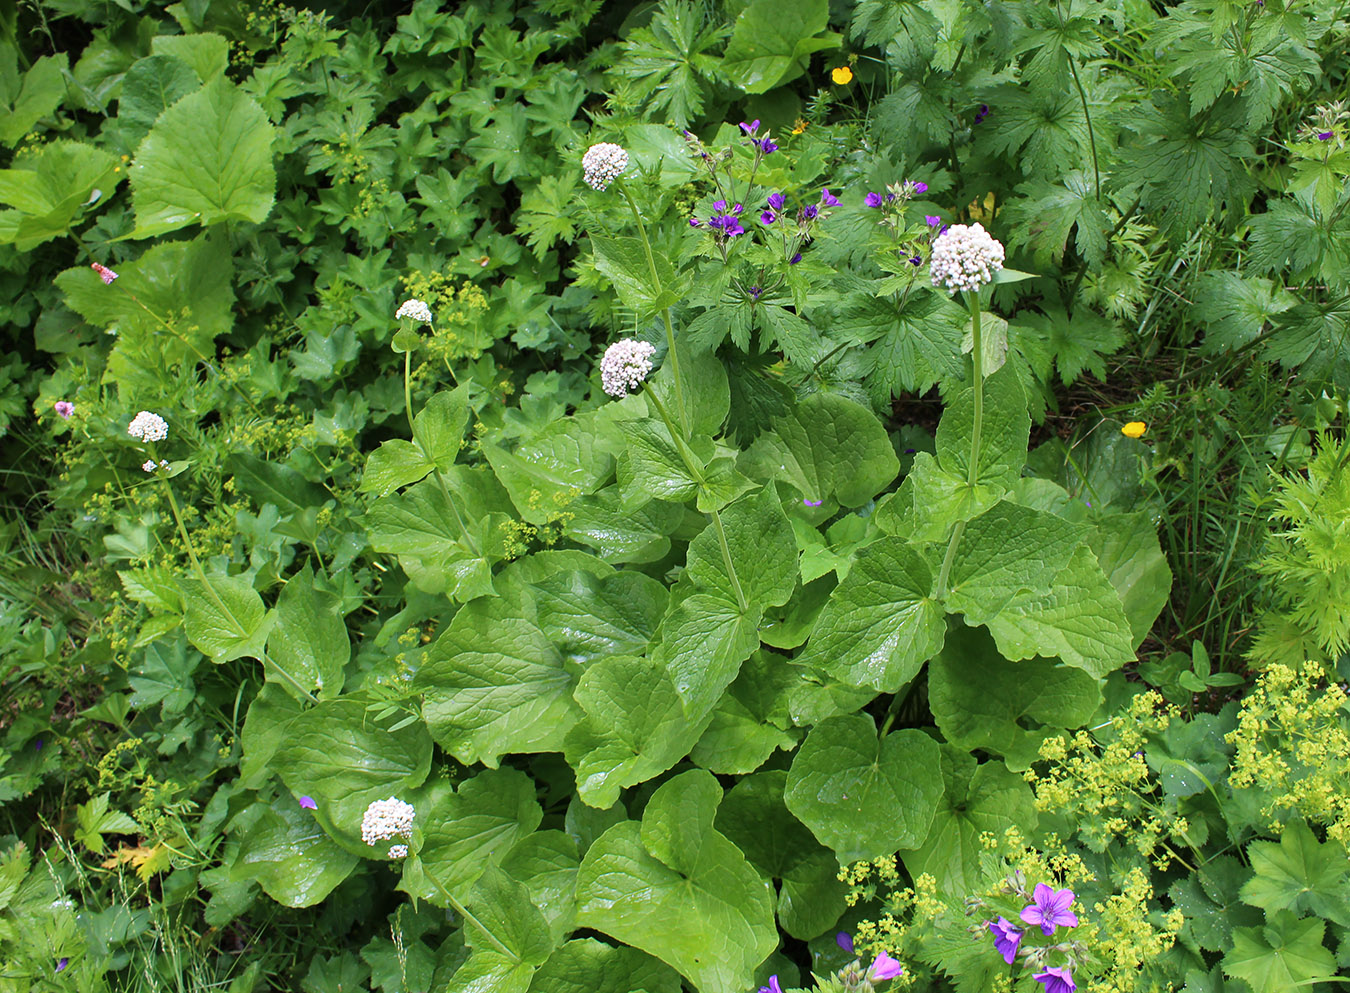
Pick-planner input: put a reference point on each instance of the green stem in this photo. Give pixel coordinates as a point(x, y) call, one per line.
point(696, 472)
point(463, 912)
point(973, 470)
point(435, 469)
point(220, 604)
point(670, 327)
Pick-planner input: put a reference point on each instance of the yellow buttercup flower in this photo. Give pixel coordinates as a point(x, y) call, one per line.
point(1135, 429)
point(799, 127)
point(842, 75)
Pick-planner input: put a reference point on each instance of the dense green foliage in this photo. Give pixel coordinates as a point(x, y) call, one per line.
point(838, 585)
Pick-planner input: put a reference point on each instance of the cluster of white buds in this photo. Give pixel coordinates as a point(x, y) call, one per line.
point(965, 257)
point(602, 164)
point(385, 819)
point(416, 309)
point(146, 426)
point(150, 466)
point(625, 365)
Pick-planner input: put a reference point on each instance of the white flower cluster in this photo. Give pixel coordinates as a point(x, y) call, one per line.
point(398, 851)
point(149, 465)
point(416, 309)
point(625, 365)
point(965, 257)
point(385, 819)
point(148, 427)
point(602, 163)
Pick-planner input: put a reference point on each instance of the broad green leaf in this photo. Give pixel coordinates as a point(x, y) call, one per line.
point(475, 827)
point(547, 863)
point(546, 475)
point(864, 797)
point(982, 701)
point(270, 482)
point(164, 675)
point(828, 446)
point(440, 425)
point(1009, 550)
point(505, 917)
point(269, 715)
point(208, 54)
point(1127, 549)
point(339, 754)
point(762, 550)
point(620, 535)
point(881, 624)
point(704, 640)
point(585, 965)
point(679, 890)
point(285, 851)
point(771, 42)
point(625, 262)
point(976, 799)
point(48, 187)
point(152, 85)
point(309, 642)
point(754, 817)
point(494, 684)
point(1080, 620)
point(395, 464)
point(1300, 874)
point(22, 105)
point(225, 618)
point(931, 500)
point(656, 466)
point(488, 971)
point(589, 617)
point(635, 728)
point(1004, 431)
point(1284, 955)
point(736, 741)
point(707, 393)
point(207, 159)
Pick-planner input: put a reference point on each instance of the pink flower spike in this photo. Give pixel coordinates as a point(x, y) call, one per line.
point(307, 802)
point(64, 408)
point(104, 273)
point(884, 967)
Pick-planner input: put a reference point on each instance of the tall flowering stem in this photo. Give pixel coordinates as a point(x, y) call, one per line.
point(973, 470)
point(670, 327)
point(696, 471)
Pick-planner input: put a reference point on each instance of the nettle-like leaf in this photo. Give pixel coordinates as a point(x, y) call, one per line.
point(1042, 129)
point(770, 43)
point(1234, 309)
point(914, 345)
point(676, 888)
point(1046, 212)
point(671, 60)
point(980, 700)
point(863, 797)
point(207, 159)
point(881, 624)
point(1300, 874)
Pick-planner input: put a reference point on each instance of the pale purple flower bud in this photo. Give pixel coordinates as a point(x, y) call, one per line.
point(104, 273)
point(767, 218)
point(884, 967)
point(307, 803)
point(828, 199)
point(64, 408)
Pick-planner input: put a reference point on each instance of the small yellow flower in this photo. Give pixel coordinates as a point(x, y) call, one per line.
point(1135, 429)
point(842, 76)
point(799, 127)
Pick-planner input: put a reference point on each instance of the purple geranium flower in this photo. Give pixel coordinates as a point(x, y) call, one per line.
point(719, 205)
point(931, 220)
point(62, 964)
point(828, 199)
point(916, 260)
point(737, 209)
point(984, 112)
point(727, 224)
point(873, 200)
point(773, 986)
point(1006, 938)
point(884, 967)
point(1057, 979)
point(920, 187)
point(755, 293)
point(766, 145)
point(307, 802)
point(1050, 909)
point(843, 938)
point(768, 217)
point(776, 201)
point(809, 212)
point(795, 259)
point(750, 128)
point(1324, 136)
point(64, 408)
point(694, 222)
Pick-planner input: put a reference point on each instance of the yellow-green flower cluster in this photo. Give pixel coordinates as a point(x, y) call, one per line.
point(1293, 743)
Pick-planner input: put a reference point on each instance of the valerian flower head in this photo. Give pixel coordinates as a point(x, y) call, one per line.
point(415, 309)
point(146, 426)
point(1050, 908)
point(965, 257)
point(626, 364)
point(398, 851)
point(602, 164)
point(1006, 938)
point(148, 465)
point(385, 819)
point(1056, 979)
point(64, 408)
point(104, 273)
